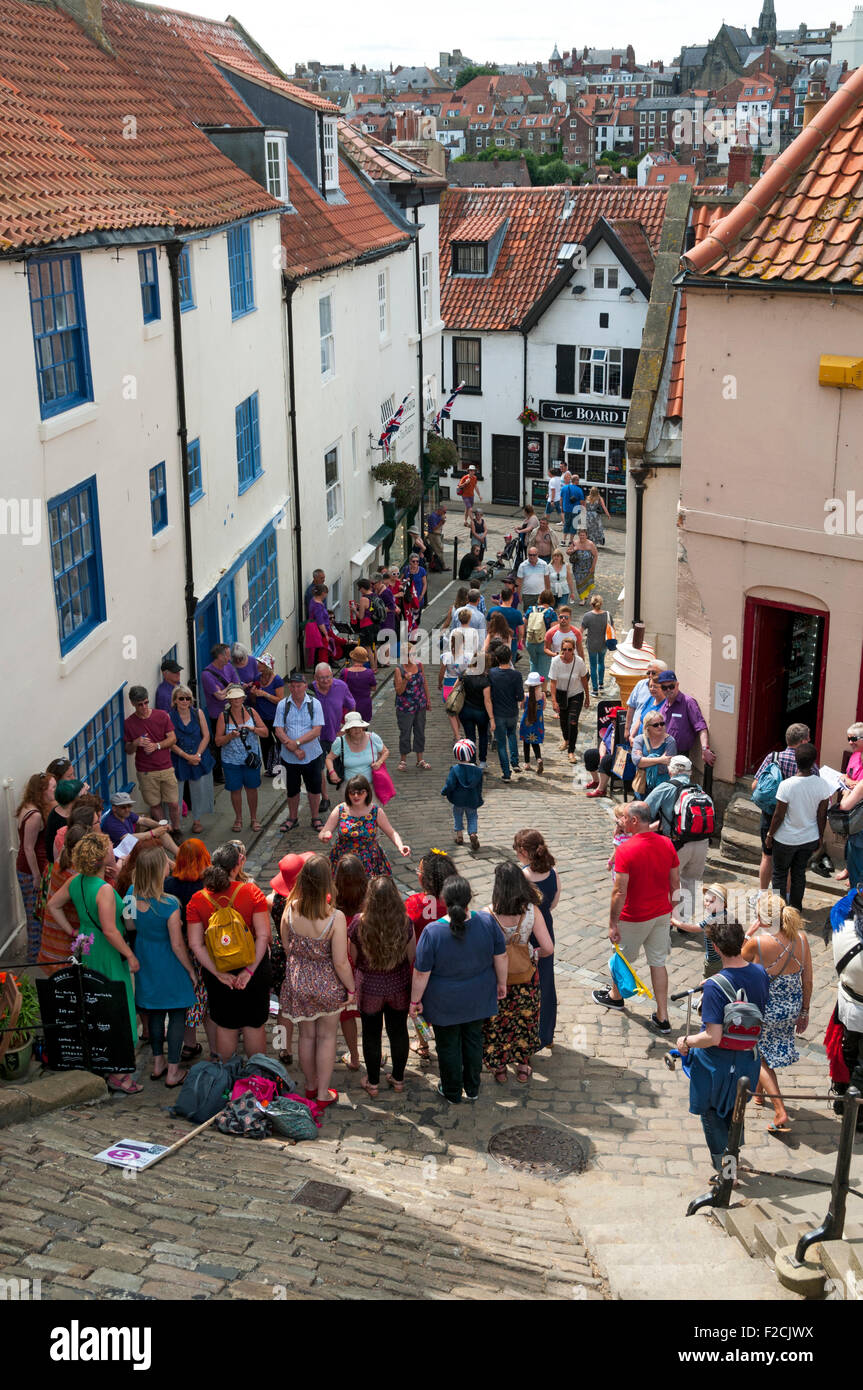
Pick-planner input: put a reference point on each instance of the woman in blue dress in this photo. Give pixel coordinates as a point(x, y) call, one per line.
point(717, 1061)
point(777, 941)
point(191, 756)
point(165, 982)
point(537, 864)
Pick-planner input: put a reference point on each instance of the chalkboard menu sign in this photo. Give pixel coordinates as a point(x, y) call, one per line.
point(86, 1020)
point(533, 450)
point(538, 491)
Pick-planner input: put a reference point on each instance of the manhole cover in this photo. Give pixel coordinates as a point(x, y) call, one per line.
point(322, 1196)
point(540, 1150)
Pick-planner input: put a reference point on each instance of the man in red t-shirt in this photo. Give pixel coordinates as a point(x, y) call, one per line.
point(646, 877)
point(150, 735)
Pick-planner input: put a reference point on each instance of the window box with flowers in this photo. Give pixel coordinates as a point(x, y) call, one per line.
point(528, 417)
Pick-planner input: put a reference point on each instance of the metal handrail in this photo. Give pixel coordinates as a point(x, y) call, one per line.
point(833, 1224)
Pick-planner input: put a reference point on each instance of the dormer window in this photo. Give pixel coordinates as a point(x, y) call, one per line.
point(328, 155)
point(469, 258)
point(276, 146)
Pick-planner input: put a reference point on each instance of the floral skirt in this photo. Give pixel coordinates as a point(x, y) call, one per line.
point(784, 1003)
point(512, 1036)
point(31, 895)
point(198, 1012)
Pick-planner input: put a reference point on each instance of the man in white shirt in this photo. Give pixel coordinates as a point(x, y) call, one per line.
point(797, 827)
point(552, 505)
point(531, 576)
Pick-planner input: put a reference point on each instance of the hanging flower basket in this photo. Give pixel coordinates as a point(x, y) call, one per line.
point(528, 416)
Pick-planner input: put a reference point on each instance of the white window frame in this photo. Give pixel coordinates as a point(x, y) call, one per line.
point(278, 139)
point(328, 340)
point(600, 361)
point(333, 495)
point(328, 154)
point(383, 304)
point(426, 277)
point(388, 410)
point(335, 596)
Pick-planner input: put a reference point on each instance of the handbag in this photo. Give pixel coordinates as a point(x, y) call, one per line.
point(382, 785)
point(293, 1117)
point(844, 823)
point(520, 965)
point(639, 782)
point(454, 702)
point(338, 763)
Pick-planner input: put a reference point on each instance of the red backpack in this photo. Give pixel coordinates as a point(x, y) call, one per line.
point(694, 816)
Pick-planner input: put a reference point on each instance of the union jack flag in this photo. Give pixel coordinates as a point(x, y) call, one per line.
point(446, 409)
point(392, 426)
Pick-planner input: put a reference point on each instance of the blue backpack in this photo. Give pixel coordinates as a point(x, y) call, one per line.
point(767, 786)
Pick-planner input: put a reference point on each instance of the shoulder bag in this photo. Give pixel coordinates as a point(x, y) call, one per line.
point(520, 965)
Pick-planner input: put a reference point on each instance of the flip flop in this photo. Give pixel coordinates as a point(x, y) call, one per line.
point(122, 1090)
point(172, 1085)
point(255, 825)
point(778, 1129)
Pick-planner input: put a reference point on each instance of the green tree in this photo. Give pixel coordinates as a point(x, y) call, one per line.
point(473, 70)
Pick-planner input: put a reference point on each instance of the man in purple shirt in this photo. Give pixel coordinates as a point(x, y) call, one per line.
point(683, 718)
point(170, 677)
point(214, 680)
point(389, 627)
point(335, 701)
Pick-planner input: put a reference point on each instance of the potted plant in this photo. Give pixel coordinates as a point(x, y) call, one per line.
point(402, 477)
point(19, 1011)
point(528, 416)
point(441, 454)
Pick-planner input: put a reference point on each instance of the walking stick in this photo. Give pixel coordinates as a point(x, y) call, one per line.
point(185, 1139)
point(670, 1057)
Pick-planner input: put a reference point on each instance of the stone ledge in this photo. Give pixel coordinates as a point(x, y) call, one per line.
point(51, 1092)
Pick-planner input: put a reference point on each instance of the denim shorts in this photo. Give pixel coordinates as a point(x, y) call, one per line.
point(242, 776)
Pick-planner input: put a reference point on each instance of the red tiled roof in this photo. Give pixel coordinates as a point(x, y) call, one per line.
point(66, 169)
point(632, 236)
point(478, 228)
point(704, 216)
point(540, 221)
point(251, 68)
point(376, 162)
point(803, 219)
point(323, 235)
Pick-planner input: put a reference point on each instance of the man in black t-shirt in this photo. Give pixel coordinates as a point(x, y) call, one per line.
point(503, 699)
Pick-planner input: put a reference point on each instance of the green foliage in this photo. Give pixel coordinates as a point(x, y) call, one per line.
point(402, 477)
point(473, 70)
point(486, 156)
point(441, 453)
point(28, 1014)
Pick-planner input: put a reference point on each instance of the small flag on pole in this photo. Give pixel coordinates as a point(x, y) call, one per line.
point(446, 409)
point(393, 425)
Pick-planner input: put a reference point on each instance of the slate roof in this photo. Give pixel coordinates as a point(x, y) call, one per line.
point(803, 220)
point(540, 221)
point(65, 168)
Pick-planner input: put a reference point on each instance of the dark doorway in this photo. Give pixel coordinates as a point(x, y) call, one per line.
point(784, 659)
point(506, 468)
point(206, 632)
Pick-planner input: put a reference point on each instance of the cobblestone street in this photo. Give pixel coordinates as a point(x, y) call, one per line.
point(431, 1213)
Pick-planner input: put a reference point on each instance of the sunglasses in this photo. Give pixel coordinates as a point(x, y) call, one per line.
point(854, 738)
point(668, 687)
point(656, 724)
point(184, 699)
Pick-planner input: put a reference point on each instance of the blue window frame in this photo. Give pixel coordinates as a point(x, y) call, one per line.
point(59, 333)
point(196, 480)
point(263, 574)
point(148, 273)
point(158, 498)
point(240, 270)
point(170, 655)
point(98, 750)
point(248, 442)
point(76, 563)
point(184, 276)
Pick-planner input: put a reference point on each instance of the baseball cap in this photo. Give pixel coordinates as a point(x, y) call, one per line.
point(171, 665)
point(666, 676)
point(121, 799)
point(66, 791)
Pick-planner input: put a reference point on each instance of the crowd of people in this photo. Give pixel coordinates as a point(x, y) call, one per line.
point(335, 944)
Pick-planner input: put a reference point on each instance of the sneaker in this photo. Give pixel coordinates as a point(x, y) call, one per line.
point(506, 779)
point(468, 1096)
point(440, 1092)
point(481, 766)
point(603, 997)
point(459, 837)
point(660, 1026)
point(516, 767)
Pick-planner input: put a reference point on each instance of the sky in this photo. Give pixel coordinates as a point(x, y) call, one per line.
point(379, 32)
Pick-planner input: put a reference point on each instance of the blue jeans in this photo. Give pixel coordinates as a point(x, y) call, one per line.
point(854, 863)
point(474, 721)
point(458, 815)
point(504, 733)
point(568, 528)
point(716, 1129)
point(597, 669)
point(552, 509)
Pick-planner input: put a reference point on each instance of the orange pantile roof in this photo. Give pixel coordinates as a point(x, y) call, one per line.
point(803, 220)
point(633, 238)
point(540, 221)
point(377, 163)
point(704, 216)
point(479, 228)
point(324, 235)
point(65, 166)
point(251, 68)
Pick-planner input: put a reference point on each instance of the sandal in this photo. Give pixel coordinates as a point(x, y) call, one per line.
point(396, 1085)
point(158, 1075)
point(255, 825)
point(402, 767)
point(197, 828)
point(189, 1052)
point(287, 826)
point(286, 1058)
point(345, 1060)
point(120, 1088)
point(317, 823)
point(426, 767)
point(172, 1085)
point(369, 1088)
point(237, 826)
point(523, 1072)
point(500, 1076)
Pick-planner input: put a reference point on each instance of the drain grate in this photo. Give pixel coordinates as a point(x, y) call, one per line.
point(322, 1196)
point(540, 1150)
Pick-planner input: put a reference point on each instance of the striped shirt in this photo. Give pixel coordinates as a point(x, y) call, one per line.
point(296, 721)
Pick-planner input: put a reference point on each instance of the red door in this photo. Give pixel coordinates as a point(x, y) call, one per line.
point(782, 677)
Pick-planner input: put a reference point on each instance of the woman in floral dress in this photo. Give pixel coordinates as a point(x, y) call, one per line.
point(412, 704)
point(594, 507)
point(319, 979)
point(358, 820)
point(777, 941)
point(512, 1036)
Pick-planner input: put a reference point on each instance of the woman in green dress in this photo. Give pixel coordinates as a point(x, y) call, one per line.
point(100, 915)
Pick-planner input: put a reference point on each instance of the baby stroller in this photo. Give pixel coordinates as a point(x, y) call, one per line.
point(507, 558)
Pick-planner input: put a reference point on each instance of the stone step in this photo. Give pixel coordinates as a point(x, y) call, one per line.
point(739, 843)
point(843, 1263)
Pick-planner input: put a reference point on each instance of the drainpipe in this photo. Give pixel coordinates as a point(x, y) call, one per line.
point(420, 400)
point(524, 427)
point(174, 250)
point(639, 477)
point(290, 287)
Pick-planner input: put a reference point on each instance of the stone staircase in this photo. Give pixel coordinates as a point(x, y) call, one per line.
point(833, 1269)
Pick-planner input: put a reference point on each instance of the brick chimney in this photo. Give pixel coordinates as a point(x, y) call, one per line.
point(87, 14)
point(739, 165)
point(615, 61)
point(816, 91)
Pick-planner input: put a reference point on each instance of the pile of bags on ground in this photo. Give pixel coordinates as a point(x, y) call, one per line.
point(253, 1099)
